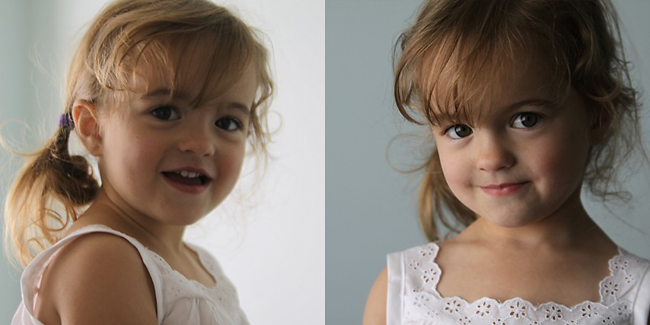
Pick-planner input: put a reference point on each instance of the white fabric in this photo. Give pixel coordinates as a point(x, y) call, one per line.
point(412, 298)
point(178, 300)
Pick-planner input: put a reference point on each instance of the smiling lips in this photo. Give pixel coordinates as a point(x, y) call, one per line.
point(503, 189)
point(188, 180)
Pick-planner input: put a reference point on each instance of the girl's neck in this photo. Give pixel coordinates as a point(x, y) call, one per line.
point(571, 228)
point(110, 210)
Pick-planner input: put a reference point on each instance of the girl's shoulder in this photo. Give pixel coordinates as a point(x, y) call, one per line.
point(99, 255)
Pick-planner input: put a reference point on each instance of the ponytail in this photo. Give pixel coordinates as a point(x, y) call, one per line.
point(45, 197)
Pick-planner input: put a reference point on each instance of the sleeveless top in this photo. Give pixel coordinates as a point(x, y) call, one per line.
point(412, 297)
point(178, 300)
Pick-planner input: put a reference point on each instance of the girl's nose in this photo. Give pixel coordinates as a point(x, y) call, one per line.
point(494, 154)
point(197, 141)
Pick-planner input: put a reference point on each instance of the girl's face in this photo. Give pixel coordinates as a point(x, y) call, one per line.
point(524, 160)
point(171, 161)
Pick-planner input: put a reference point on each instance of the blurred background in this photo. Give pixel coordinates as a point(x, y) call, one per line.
point(270, 243)
point(371, 206)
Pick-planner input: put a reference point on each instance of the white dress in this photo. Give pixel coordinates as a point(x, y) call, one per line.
point(178, 300)
point(412, 297)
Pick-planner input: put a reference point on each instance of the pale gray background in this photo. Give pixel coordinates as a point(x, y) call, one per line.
point(371, 208)
point(273, 246)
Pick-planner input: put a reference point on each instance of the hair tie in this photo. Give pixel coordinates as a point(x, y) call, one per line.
point(66, 121)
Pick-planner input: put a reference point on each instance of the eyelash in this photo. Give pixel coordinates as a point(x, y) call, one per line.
point(454, 127)
point(159, 109)
point(517, 118)
point(537, 119)
point(237, 123)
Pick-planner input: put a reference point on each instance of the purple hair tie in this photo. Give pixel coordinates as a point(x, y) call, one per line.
point(65, 121)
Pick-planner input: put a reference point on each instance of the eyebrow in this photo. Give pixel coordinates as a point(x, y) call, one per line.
point(166, 92)
point(240, 106)
point(539, 102)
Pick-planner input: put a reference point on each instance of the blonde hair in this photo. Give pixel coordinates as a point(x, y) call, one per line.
point(472, 39)
point(124, 34)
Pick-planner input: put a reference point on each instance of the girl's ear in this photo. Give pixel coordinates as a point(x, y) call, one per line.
point(86, 123)
point(601, 119)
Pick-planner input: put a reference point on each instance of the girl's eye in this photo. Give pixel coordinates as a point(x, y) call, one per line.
point(526, 120)
point(228, 124)
point(166, 113)
point(459, 131)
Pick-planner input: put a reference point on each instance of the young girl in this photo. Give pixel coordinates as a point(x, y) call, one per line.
point(165, 94)
point(526, 100)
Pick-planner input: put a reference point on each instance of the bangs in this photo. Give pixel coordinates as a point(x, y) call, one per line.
point(201, 65)
point(199, 46)
point(456, 81)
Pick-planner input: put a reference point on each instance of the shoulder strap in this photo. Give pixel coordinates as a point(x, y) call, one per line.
point(395, 290)
point(641, 300)
point(413, 270)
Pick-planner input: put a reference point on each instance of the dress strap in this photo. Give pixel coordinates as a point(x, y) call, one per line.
point(395, 291)
point(641, 299)
point(410, 271)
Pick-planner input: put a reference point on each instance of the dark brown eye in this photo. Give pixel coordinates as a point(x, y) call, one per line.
point(459, 131)
point(166, 113)
point(228, 124)
point(526, 120)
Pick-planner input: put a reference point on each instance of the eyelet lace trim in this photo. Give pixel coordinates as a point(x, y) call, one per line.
point(424, 305)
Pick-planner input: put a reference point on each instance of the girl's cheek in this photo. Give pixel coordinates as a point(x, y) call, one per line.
point(561, 160)
point(236, 161)
point(454, 171)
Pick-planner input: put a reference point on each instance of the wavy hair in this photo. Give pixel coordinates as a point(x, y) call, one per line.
point(472, 39)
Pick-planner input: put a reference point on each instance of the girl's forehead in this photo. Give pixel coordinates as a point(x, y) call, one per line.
point(463, 89)
point(197, 90)
point(195, 70)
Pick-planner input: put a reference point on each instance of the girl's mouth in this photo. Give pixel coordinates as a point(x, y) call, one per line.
point(187, 178)
point(187, 181)
point(503, 189)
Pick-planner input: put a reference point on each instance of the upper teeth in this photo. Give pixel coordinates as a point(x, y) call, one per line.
point(185, 173)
